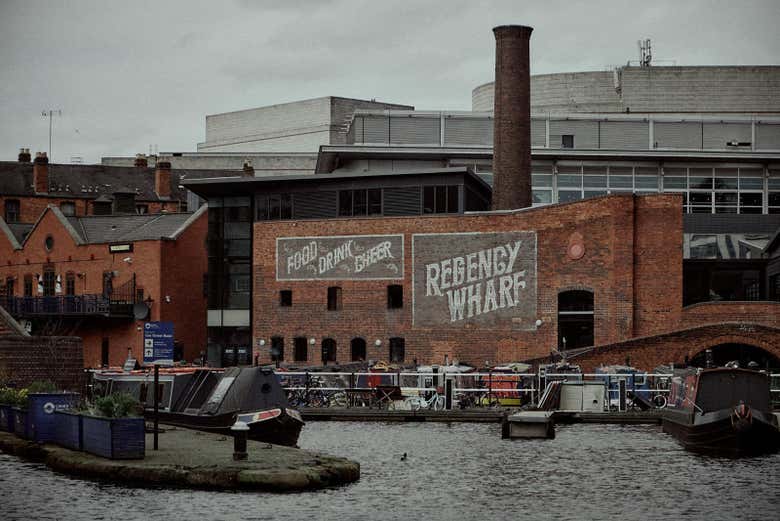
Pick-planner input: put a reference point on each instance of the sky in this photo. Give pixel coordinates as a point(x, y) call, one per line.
point(129, 74)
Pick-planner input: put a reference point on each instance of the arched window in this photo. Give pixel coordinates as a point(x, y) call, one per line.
point(358, 349)
point(575, 319)
point(300, 349)
point(328, 350)
point(397, 350)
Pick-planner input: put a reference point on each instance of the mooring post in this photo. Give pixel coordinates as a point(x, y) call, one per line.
point(240, 432)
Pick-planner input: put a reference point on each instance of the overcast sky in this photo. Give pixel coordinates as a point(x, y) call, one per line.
point(127, 74)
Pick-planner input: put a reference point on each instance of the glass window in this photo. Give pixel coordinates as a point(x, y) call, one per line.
point(441, 199)
point(452, 199)
point(594, 193)
point(751, 183)
point(345, 203)
point(334, 298)
point(28, 285)
point(68, 208)
point(397, 350)
point(646, 182)
point(595, 181)
point(675, 183)
point(429, 199)
point(569, 180)
point(286, 206)
point(621, 181)
point(328, 350)
point(375, 201)
point(542, 196)
point(277, 348)
point(565, 196)
point(11, 210)
point(274, 207)
point(238, 286)
point(70, 284)
point(701, 198)
point(49, 281)
point(725, 183)
point(567, 141)
point(700, 178)
point(727, 198)
point(359, 202)
point(541, 179)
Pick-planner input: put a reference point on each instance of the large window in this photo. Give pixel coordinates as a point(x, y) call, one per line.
point(274, 207)
point(575, 319)
point(440, 199)
point(360, 202)
point(11, 210)
point(719, 280)
point(229, 253)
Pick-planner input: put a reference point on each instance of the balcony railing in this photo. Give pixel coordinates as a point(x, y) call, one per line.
point(67, 305)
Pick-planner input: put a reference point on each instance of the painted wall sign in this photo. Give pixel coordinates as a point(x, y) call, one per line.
point(348, 257)
point(474, 278)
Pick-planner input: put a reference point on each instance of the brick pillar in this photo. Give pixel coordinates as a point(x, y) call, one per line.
point(512, 119)
point(41, 173)
point(162, 179)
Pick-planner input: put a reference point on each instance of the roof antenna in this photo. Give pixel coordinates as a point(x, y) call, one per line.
point(645, 53)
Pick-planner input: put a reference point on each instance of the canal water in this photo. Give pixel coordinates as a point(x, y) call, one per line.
point(451, 472)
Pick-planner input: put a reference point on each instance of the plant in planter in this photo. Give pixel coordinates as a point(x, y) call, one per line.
point(8, 400)
point(113, 427)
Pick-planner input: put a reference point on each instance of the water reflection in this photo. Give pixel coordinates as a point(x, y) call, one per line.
point(457, 471)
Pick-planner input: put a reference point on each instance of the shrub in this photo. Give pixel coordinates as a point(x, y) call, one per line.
point(117, 405)
point(8, 396)
point(42, 386)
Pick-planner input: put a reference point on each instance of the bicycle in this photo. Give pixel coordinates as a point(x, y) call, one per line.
point(436, 402)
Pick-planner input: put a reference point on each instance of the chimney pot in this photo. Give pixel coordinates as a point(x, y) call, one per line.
point(140, 161)
point(512, 119)
point(41, 173)
point(24, 155)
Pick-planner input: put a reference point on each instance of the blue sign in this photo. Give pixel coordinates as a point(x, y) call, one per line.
point(158, 343)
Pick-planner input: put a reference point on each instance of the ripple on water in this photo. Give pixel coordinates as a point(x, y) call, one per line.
point(452, 471)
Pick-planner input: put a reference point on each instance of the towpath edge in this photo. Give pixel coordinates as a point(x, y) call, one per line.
point(193, 459)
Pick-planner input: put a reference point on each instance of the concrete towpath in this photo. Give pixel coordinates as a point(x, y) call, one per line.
point(193, 459)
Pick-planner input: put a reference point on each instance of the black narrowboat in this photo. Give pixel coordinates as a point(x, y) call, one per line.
point(722, 411)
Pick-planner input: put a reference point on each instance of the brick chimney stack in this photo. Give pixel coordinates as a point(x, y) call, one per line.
point(41, 173)
point(512, 119)
point(24, 155)
point(140, 161)
point(249, 170)
point(162, 179)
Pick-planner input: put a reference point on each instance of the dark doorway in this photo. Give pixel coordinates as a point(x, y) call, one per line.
point(328, 351)
point(397, 350)
point(575, 319)
point(300, 349)
point(358, 348)
point(742, 353)
point(104, 353)
point(277, 349)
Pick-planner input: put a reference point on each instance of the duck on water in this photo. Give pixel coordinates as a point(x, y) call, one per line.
point(722, 411)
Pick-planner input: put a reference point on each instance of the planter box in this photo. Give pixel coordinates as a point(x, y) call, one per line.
point(114, 438)
point(41, 408)
point(21, 423)
point(69, 429)
point(7, 418)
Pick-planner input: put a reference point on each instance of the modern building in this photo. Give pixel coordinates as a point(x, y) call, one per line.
point(642, 226)
point(101, 277)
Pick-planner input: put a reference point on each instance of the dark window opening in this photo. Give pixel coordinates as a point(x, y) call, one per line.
point(9, 287)
point(12, 210)
point(104, 353)
point(360, 202)
point(285, 297)
point(774, 287)
point(395, 296)
point(49, 282)
point(334, 298)
point(440, 199)
point(707, 280)
point(328, 350)
point(274, 207)
point(300, 349)
point(28, 286)
point(567, 141)
point(178, 351)
point(358, 350)
point(277, 348)
point(108, 283)
point(345, 203)
point(48, 243)
point(70, 284)
point(68, 208)
point(575, 319)
point(397, 350)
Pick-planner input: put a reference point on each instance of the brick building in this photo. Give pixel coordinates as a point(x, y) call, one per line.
point(99, 277)
point(620, 250)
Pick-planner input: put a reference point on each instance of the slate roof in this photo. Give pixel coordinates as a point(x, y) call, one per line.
point(20, 230)
point(97, 229)
point(92, 181)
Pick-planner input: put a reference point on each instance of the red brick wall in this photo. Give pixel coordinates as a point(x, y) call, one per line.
point(24, 360)
point(608, 229)
point(647, 353)
point(92, 260)
point(766, 313)
point(30, 208)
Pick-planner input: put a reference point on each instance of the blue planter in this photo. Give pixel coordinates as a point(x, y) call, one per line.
point(21, 423)
point(6, 418)
point(114, 438)
point(69, 429)
point(41, 408)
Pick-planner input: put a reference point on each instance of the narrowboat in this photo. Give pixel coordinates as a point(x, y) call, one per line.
point(722, 411)
point(212, 400)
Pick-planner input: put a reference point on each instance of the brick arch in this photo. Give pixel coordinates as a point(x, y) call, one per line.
point(770, 347)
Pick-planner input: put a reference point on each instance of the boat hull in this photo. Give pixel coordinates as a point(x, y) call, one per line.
point(717, 434)
point(279, 429)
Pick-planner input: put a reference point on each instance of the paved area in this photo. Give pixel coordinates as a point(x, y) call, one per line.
point(188, 458)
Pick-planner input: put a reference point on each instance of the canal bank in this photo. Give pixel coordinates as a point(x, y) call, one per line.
point(193, 459)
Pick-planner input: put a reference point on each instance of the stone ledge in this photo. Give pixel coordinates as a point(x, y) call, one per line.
point(192, 459)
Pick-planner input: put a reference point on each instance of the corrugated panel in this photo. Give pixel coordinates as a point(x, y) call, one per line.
point(586, 133)
point(767, 136)
point(315, 205)
point(625, 135)
point(355, 131)
point(716, 135)
point(468, 131)
point(375, 130)
point(677, 135)
point(403, 200)
point(538, 133)
point(407, 130)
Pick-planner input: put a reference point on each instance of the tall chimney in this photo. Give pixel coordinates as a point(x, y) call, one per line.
point(512, 119)
point(41, 173)
point(162, 179)
point(24, 155)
